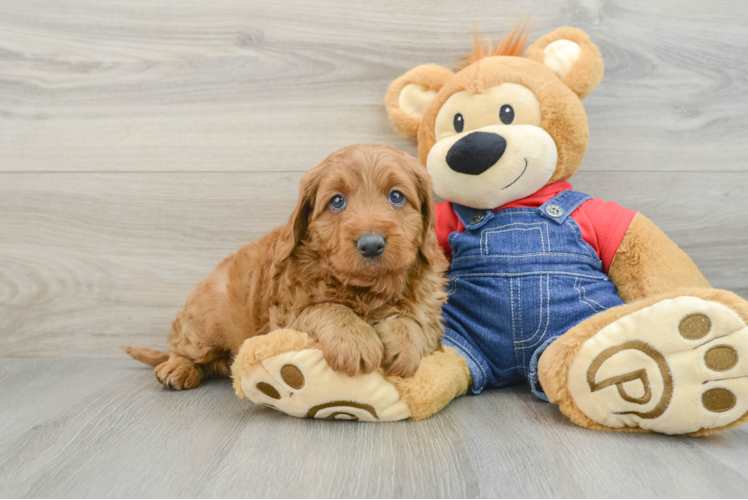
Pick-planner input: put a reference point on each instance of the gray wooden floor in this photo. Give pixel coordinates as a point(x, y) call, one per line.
point(143, 141)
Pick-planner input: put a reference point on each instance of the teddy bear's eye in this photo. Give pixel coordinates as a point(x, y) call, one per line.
point(506, 114)
point(459, 123)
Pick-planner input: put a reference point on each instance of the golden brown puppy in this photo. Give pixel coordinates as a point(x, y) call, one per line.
point(357, 266)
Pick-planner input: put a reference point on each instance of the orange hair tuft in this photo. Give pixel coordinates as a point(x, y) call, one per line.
point(512, 45)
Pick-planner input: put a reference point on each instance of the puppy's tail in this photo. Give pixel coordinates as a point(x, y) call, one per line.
point(145, 355)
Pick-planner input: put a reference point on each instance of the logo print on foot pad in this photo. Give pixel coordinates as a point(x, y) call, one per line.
point(350, 404)
point(618, 381)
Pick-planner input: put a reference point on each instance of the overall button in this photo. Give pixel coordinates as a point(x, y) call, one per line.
point(477, 217)
point(554, 210)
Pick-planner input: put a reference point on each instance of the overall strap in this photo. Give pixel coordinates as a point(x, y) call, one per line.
point(560, 207)
point(472, 218)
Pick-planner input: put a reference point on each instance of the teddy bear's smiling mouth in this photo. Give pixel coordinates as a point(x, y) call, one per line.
point(520, 175)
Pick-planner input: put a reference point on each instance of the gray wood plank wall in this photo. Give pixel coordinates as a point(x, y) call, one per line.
point(141, 141)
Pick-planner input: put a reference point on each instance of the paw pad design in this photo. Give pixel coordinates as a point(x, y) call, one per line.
point(721, 358)
point(695, 326)
point(292, 376)
point(301, 384)
point(718, 400)
point(268, 390)
point(672, 367)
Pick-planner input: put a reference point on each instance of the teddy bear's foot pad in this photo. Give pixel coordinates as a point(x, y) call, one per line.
point(301, 384)
point(676, 367)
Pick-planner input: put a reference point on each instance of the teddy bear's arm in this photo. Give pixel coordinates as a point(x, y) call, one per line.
point(648, 262)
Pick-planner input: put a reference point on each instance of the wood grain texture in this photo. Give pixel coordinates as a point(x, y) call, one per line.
point(103, 428)
point(274, 85)
point(143, 141)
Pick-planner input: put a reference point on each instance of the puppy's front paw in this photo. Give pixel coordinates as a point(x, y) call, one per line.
point(356, 350)
point(402, 362)
point(402, 356)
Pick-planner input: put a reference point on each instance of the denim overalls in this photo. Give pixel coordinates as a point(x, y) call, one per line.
point(520, 278)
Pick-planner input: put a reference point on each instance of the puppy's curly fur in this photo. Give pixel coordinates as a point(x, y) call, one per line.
point(308, 275)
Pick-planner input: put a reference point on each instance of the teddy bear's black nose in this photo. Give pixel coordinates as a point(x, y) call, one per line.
point(476, 152)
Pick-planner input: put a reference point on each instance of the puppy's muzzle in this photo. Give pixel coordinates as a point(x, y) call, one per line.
point(476, 152)
point(371, 245)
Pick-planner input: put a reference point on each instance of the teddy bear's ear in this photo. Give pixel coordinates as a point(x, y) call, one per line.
point(408, 97)
point(572, 56)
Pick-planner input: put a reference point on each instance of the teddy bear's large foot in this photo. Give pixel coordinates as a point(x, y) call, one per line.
point(286, 370)
point(677, 366)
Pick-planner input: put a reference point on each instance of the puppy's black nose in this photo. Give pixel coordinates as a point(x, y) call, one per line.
point(371, 245)
point(476, 152)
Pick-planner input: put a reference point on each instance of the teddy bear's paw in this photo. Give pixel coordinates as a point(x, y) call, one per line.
point(679, 366)
point(301, 384)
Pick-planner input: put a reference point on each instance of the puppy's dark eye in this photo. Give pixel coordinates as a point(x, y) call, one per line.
point(506, 114)
point(397, 198)
point(459, 122)
point(337, 204)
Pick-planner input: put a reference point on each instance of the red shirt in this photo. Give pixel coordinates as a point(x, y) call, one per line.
point(603, 224)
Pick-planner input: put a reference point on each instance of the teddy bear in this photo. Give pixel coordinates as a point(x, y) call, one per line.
point(588, 302)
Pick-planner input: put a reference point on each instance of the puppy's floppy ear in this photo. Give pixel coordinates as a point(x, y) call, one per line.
point(572, 56)
point(429, 250)
point(408, 97)
point(297, 227)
